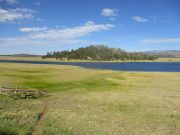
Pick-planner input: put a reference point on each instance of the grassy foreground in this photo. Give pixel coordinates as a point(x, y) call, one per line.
point(90, 102)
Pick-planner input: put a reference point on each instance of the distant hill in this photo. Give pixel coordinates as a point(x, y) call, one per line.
point(22, 55)
point(165, 53)
point(99, 52)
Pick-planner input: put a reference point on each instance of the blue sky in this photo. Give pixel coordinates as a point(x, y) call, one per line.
point(39, 26)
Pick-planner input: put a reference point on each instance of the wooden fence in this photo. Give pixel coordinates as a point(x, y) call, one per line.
point(22, 92)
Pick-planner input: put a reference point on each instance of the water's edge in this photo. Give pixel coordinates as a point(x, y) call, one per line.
point(125, 66)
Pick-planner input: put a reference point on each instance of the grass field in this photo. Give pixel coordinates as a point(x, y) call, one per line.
point(90, 102)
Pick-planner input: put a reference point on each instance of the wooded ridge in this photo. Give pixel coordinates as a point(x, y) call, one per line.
point(99, 52)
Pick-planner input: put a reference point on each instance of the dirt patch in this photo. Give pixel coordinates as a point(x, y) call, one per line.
point(39, 122)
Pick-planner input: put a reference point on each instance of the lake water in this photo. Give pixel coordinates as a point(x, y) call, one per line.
point(123, 66)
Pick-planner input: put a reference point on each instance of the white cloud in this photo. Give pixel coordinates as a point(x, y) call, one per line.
point(32, 29)
point(112, 19)
point(89, 23)
point(15, 14)
point(140, 19)
point(73, 32)
point(161, 19)
point(9, 1)
point(37, 3)
point(107, 12)
point(161, 40)
point(26, 41)
point(56, 36)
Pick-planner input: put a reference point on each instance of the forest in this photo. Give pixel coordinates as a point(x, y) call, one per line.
point(100, 53)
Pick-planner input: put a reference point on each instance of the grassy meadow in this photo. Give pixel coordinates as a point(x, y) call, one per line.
point(90, 102)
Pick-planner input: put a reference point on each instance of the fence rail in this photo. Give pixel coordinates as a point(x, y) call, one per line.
point(22, 92)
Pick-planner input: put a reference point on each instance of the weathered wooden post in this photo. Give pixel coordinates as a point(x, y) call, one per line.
point(27, 96)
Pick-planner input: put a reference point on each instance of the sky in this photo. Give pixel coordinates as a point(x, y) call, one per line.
point(41, 26)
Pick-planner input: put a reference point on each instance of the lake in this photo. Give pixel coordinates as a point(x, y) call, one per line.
point(123, 66)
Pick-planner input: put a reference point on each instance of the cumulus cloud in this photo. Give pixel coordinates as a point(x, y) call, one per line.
point(32, 29)
point(9, 1)
point(7, 15)
point(107, 12)
point(37, 3)
point(26, 41)
point(57, 36)
point(140, 19)
point(161, 40)
point(73, 32)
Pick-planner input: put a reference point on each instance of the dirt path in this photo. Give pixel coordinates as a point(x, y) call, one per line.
point(39, 122)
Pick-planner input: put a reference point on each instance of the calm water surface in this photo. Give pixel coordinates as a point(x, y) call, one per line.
point(124, 66)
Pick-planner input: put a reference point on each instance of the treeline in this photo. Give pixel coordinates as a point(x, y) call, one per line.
point(99, 52)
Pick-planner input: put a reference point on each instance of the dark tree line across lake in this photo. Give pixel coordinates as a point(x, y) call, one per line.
point(100, 53)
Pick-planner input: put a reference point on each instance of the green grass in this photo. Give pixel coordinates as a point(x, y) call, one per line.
point(91, 102)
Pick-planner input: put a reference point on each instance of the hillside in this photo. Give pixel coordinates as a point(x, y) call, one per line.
point(165, 54)
point(22, 55)
point(99, 52)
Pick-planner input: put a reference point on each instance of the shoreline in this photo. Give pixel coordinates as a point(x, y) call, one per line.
point(115, 61)
point(115, 66)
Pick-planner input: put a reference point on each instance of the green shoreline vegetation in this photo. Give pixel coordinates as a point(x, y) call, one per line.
point(83, 101)
point(79, 60)
point(99, 53)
